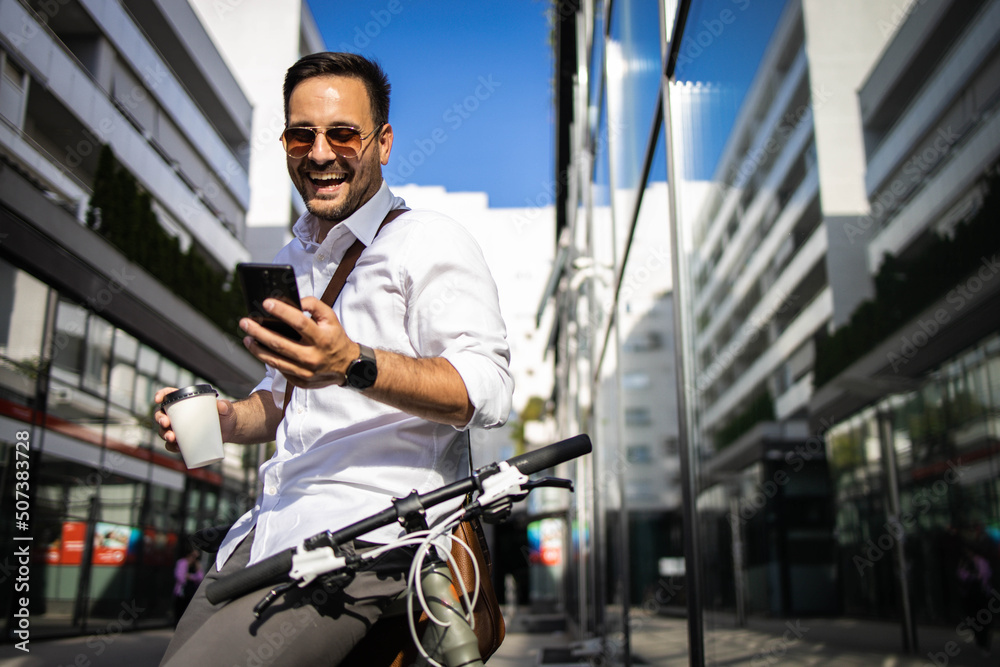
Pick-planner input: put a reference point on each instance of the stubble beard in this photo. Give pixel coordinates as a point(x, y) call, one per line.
point(320, 205)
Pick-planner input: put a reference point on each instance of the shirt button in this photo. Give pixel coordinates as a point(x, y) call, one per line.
point(299, 410)
point(321, 257)
point(271, 491)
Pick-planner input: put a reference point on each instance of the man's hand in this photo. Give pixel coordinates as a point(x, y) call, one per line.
point(227, 418)
point(429, 388)
point(322, 356)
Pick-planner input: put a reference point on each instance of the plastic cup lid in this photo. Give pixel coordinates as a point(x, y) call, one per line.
point(188, 392)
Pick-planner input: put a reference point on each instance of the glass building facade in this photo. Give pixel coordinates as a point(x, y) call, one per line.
point(106, 508)
point(827, 176)
point(123, 181)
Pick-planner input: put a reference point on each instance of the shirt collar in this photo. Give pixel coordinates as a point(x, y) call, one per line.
point(363, 223)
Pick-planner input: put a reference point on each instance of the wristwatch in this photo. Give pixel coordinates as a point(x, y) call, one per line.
point(362, 372)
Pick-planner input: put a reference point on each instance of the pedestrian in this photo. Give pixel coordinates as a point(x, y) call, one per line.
point(975, 588)
point(381, 391)
point(187, 576)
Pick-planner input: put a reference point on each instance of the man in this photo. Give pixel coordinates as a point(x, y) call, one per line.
point(419, 316)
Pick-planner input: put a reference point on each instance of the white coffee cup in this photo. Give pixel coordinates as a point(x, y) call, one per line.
point(194, 419)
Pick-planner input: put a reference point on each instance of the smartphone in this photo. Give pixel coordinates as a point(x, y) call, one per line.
point(269, 281)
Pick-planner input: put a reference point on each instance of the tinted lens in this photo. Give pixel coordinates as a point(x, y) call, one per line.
point(345, 141)
point(298, 141)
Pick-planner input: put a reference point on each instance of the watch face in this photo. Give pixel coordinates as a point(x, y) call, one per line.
point(362, 372)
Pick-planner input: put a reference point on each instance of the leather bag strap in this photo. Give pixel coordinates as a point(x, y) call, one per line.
point(339, 279)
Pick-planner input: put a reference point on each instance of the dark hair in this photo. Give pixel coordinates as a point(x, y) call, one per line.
point(343, 64)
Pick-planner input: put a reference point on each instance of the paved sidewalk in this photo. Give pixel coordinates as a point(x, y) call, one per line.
point(659, 641)
point(842, 642)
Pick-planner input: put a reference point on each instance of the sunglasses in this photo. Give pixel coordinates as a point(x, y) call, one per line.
point(344, 140)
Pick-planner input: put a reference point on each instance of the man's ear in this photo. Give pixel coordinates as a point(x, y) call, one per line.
point(385, 143)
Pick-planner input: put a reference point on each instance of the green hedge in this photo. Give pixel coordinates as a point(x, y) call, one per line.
point(903, 289)
point(759, 410)
point(122, 212)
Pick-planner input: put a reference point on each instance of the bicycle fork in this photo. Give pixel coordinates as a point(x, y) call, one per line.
point(454, 645)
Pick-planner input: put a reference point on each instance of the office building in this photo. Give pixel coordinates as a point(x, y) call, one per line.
point(907, 390)
point(123, 196)
point(838, 320)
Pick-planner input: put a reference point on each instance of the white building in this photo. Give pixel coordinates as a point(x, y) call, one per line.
point(772, 266)
point(259, 64)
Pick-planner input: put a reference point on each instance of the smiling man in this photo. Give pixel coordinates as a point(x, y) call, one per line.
point(379, 395)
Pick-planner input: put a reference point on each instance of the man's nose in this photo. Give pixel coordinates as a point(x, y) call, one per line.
point(321, 151)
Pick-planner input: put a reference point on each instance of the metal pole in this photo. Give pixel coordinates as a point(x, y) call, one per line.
point(738, 575)
point(892, 493)
point(689, 481)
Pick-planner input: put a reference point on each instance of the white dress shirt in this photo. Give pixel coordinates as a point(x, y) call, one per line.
point(421, 288)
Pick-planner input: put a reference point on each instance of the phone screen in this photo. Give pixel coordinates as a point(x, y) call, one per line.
point(269, 281)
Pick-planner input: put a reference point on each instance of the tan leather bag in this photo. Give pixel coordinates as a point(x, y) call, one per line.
point(388, 642)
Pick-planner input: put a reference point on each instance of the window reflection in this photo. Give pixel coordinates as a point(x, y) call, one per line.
point(122, 378)
point(68, 345)
point(22, 326)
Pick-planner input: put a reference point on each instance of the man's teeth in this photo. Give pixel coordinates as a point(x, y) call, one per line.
point(328, 177)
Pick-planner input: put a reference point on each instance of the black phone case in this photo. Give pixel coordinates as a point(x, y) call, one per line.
point(263, 281)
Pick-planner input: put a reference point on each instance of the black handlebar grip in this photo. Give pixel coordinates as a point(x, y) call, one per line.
point(268, 571)
point(546, 457)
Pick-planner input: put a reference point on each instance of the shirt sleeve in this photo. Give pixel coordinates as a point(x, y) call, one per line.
point(273, 382)
point(453, 312)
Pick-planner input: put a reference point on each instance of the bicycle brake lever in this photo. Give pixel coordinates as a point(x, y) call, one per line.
point(271, 596)
point(556, 482)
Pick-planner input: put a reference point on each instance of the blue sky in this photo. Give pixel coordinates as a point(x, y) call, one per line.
point(472, 98)
point(471, 104)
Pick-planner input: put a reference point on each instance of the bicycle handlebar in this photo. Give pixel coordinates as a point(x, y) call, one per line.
point(546, 457)
point(275, 568)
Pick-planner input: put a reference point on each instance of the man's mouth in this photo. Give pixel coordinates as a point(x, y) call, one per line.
point(326, 180)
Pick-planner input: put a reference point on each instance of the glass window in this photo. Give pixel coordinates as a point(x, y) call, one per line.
point(22, 327)
point(168, 373)
point(126, 348)
point(638, 417)
point(639, 454)
point(146, 383)
point(68, 346)
point(633, 83)
point(97, 355)
point(636, 380)
point(12, 91)
point(121, 500)
point(643, 341)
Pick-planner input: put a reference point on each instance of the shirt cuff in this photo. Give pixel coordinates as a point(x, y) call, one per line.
point(490, 388)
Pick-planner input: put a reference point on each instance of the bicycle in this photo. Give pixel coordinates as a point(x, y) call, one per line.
point(449, 639)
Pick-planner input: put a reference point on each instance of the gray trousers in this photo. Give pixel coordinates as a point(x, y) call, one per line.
point(305, 626)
